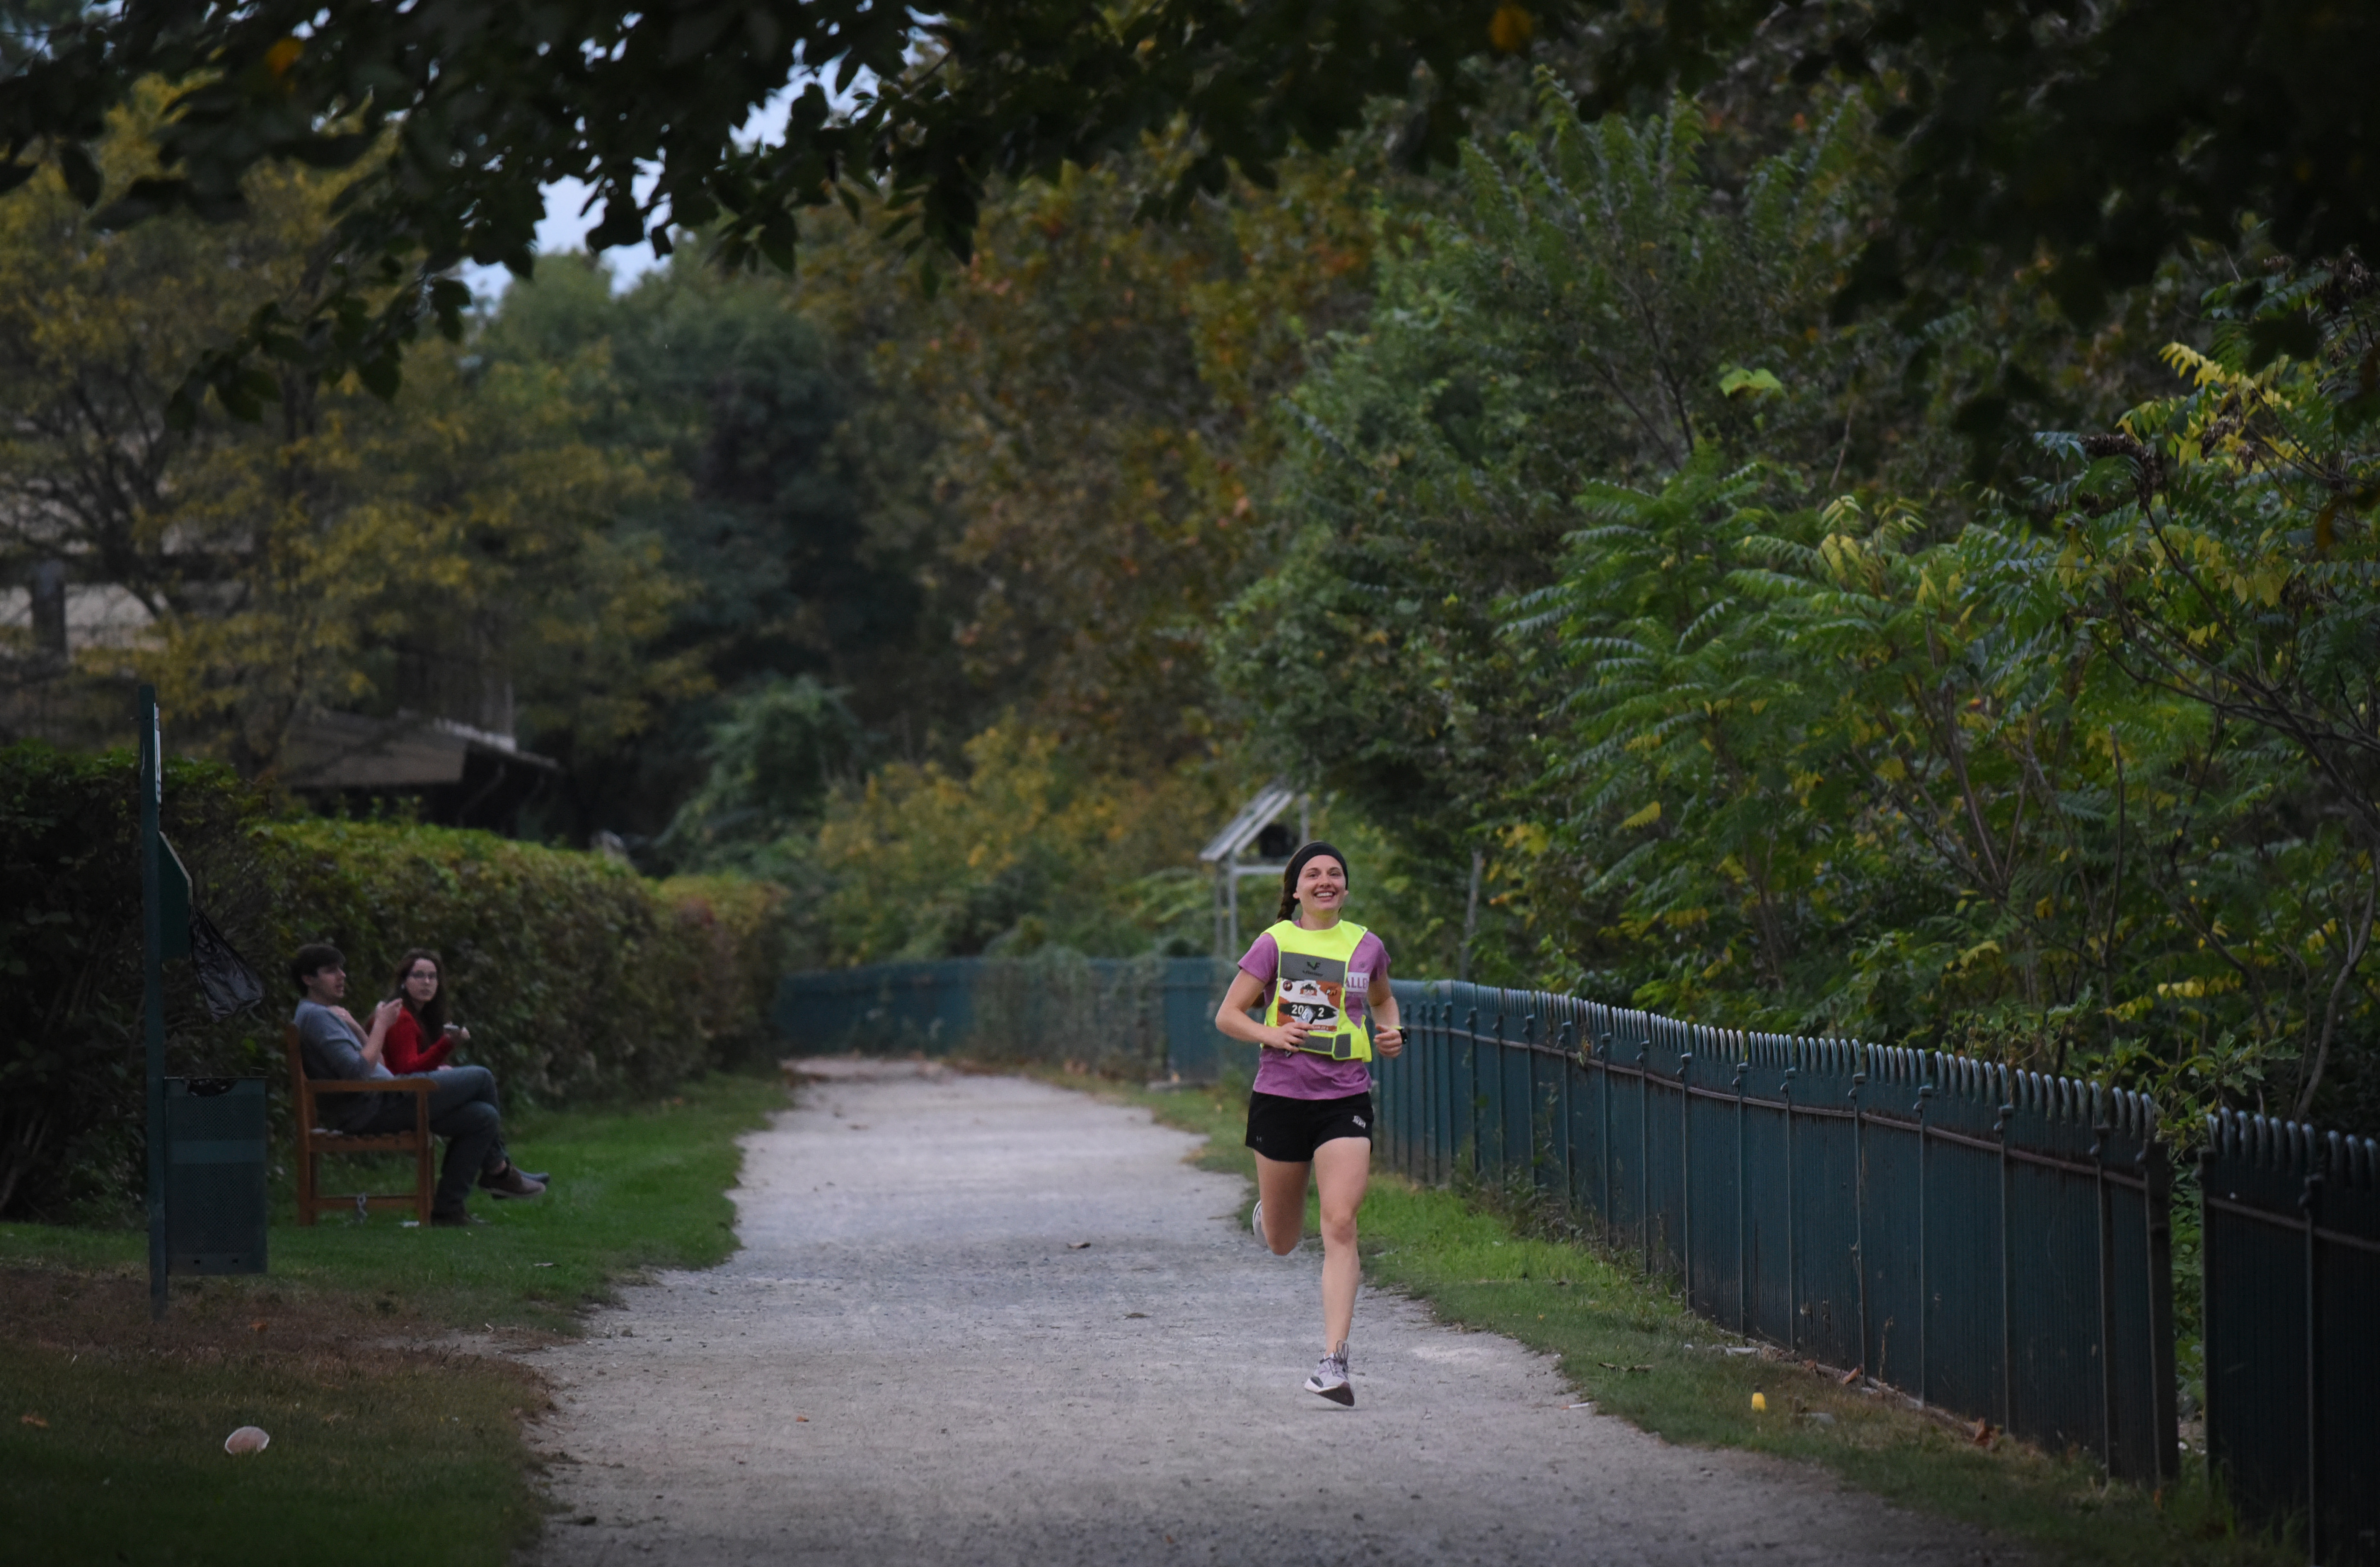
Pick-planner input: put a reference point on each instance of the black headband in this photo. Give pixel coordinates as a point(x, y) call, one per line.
point(1312, 851)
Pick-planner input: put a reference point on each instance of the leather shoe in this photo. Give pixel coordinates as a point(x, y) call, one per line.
point(454, 1220)
point(509, 1183)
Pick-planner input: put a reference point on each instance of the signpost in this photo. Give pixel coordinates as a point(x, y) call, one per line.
point(153, 983)
point(206, 1134)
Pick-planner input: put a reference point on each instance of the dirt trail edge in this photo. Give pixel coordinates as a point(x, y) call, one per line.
point(916, 1359)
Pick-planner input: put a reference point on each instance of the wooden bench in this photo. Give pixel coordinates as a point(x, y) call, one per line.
point(314, 1139)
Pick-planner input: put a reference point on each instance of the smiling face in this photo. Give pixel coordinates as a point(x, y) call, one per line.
point(421, 983)
point(1322, 885)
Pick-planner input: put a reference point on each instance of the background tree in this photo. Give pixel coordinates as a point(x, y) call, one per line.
point(469, 546)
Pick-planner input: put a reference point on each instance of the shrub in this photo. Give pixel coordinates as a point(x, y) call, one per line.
point(577, 977)
point(70, 1053)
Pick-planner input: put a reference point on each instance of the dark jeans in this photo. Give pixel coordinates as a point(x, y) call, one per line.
point(463, 1111)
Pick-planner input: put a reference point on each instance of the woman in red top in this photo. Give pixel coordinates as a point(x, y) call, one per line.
point(419, 1039)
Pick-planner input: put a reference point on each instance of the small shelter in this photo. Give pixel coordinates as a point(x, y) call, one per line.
point(464, 776)
point(1257, 828)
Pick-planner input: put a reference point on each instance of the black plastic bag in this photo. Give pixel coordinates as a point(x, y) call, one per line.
point(229, 983)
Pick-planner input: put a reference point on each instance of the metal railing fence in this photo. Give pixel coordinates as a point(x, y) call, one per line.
point(2292, 1261)
point(1994, 1243)
point(1146, 1016)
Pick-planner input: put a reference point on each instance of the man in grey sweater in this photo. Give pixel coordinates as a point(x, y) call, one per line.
point(462, 1107)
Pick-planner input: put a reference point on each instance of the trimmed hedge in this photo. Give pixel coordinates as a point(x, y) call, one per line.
point(577, 977)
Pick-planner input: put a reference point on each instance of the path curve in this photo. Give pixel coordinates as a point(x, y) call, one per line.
point(913, 1361)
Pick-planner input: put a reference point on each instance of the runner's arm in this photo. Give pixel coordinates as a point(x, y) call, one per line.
point(1388, 1037)
point(1232, 1018)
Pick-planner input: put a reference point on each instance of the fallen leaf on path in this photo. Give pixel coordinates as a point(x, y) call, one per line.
point(801, 1419)
point(1982, 1433)
point(1848, 1377)
point(1076, 1246)
point(1130, 1315)
point(32, 1420)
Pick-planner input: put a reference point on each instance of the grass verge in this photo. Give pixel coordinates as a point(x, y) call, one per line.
point(1627, 1343)
point(393, 1441)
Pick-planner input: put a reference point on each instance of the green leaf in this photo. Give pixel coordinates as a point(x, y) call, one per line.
point(1749, 383)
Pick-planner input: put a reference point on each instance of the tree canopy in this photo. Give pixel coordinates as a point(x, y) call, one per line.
point(2097, 137)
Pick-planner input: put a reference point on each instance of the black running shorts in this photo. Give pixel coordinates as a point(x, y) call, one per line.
point(1289, 1130)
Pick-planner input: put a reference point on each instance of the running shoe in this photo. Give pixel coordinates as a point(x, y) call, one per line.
point(1255, 1225)
point(1330, 1379)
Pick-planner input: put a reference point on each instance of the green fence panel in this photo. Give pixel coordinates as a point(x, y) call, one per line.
point(1149, 1017)
point(1991, 1243)
point(2292, 1270)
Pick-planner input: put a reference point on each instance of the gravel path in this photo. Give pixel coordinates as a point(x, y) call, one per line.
point(914, 1360)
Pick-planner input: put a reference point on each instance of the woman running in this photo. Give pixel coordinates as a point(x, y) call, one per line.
point(1324, 985)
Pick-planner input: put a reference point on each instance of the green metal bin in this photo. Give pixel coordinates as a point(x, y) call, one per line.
point(215, 1142)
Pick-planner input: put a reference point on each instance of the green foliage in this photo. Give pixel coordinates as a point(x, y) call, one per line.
point(579, 979)
point(1601, 568)
point(1098, 390)
point(930, 113)
point(71, 1059)
point(1028, 847)
point(792, 564)
point(772, 762)
point(2099, 140)
point(2084, 788)
point(466, 553)
point(1572, 324)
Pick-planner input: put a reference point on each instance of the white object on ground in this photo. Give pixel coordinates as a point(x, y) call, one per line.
point(248, 1438)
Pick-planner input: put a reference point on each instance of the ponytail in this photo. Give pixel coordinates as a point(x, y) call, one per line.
point(1288, 902)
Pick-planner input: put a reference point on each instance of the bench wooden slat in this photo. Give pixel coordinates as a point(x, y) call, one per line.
point(313, 1140)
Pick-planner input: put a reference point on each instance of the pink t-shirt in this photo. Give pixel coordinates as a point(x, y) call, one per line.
point(1302, 1074)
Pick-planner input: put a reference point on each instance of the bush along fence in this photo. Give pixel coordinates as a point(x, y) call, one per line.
point(1136, 1017)
point(2291, 1254)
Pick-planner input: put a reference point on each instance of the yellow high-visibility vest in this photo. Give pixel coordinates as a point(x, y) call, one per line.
point(1313, 984)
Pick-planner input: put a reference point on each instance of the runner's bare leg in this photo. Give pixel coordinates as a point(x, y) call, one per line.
point(1343, 1167)
point(1280, 1186)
